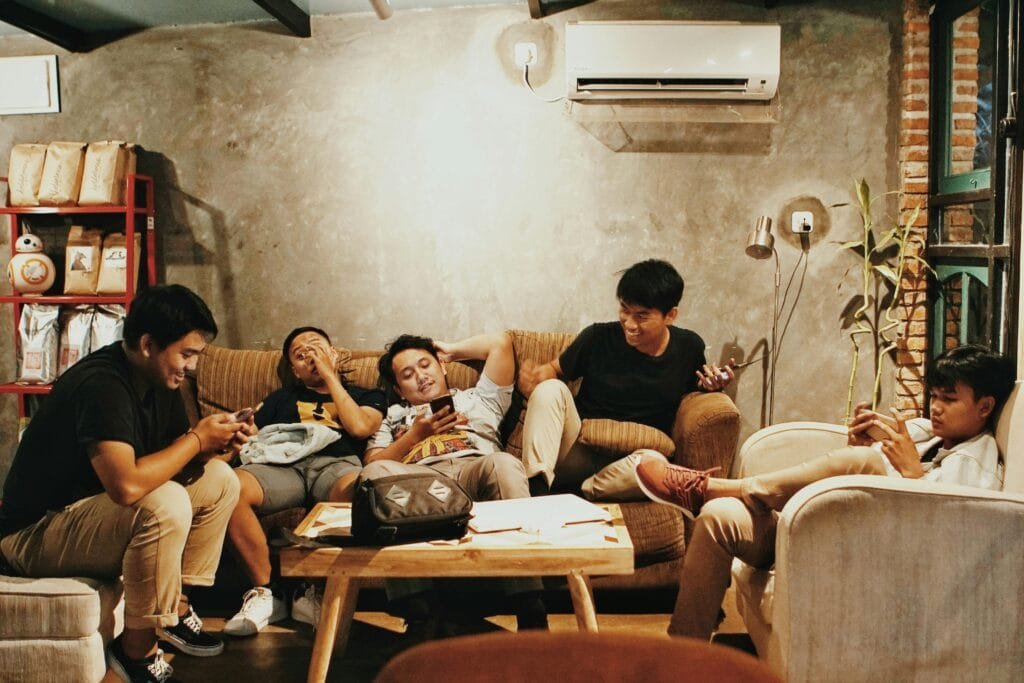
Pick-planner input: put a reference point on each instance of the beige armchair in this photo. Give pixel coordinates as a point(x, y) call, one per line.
point(885, 579)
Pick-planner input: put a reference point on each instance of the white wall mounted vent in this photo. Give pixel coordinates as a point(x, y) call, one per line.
point(630, 60)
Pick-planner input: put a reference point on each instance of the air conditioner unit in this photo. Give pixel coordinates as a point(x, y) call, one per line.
point(629, 60)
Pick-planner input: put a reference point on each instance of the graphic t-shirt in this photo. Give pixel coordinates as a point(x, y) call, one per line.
point(621, 383)
point(289, 405)
point(484, 406)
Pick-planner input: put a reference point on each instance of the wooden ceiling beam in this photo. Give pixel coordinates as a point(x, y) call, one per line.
point(46, 27)
point(291, 16)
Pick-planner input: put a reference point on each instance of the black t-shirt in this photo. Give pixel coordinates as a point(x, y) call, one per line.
point(299, 403)
point(100, 398)
point(621, 383)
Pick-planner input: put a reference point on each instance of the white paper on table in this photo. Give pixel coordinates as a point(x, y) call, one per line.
point(542, 512)
point(332, 520)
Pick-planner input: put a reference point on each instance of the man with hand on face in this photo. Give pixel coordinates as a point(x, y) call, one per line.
point(634, 370)
point(109, 481)
point(318, 396)
point(463, 445)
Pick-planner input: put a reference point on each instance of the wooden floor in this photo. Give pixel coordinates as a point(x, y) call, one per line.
point(281, 652)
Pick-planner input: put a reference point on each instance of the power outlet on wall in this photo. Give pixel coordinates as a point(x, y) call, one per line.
point(802, 222)
point(525, 54)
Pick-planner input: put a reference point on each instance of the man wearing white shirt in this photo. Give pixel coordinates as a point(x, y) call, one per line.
point(733, 517)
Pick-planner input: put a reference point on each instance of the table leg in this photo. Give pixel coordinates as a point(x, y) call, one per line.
point(335, 623)
point(582, 601)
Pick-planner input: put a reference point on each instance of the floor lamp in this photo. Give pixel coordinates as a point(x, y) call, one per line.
point(761, 245)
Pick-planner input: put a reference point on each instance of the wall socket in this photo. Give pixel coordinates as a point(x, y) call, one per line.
point(525, 54)
point(802, 222)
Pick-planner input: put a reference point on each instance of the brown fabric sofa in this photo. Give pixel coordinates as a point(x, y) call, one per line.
point(705, 433)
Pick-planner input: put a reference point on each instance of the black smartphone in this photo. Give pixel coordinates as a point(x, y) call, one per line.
point(440, 402)
point(243, 415)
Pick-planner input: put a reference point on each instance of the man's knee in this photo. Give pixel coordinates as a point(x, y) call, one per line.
point(501, 465)
point(721, 521)
point(169, 505)
point(550, 391)
point(379, 468)
point(222, 481)
point(250, 491)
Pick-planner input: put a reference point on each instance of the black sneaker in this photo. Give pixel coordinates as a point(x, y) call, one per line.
point(189, 637)
point(153, 670)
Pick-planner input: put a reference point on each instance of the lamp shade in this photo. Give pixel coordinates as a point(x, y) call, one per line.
point(761, 242)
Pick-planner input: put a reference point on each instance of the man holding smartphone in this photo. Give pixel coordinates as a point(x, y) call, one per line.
point(636, 369)
point(733, 518)
point(454, 433)
point(109, 481)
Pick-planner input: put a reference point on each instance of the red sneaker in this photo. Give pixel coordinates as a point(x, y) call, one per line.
point(680, 487)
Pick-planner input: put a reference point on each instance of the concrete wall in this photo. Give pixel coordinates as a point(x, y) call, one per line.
point(384, 177)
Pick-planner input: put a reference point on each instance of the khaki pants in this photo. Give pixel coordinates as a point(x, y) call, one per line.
point(173, 535)
point(745, 528)
point(550, 447)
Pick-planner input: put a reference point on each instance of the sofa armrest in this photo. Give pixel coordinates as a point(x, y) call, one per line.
point(706, 431)
point(882, 578)
point(784, 445)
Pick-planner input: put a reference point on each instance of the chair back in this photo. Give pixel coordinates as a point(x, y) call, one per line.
point(573, 658)
point(1010, 439)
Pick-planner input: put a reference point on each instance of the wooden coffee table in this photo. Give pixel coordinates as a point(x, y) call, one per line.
point(576, 552)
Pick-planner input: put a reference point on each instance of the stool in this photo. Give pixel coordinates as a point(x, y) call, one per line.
point(56, 629)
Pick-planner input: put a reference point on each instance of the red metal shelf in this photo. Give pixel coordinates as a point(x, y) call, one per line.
point(64, 299)
point(14, 388)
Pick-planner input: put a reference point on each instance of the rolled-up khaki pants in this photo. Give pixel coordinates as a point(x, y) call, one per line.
point(173, 535)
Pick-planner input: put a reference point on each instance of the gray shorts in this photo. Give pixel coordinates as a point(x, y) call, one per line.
point(307, 481)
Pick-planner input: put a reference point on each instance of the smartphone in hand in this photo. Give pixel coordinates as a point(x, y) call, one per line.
point(877, 433)
point(437, 404)
point(242, 415)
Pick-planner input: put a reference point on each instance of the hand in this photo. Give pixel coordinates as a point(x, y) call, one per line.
point(425, 426)
point(445, 351)
point(856, 431)
point(529, 377)
point(899, 448)
point(325, 358)
point(216, 432)
point(715, 378)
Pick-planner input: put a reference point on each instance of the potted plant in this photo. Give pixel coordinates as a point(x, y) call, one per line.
point(870, 315)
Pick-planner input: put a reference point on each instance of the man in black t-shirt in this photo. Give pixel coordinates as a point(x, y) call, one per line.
point(320, 397)
point(635, 370)
point(109, 481)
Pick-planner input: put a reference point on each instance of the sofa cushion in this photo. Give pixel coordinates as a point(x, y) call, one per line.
point(57, 607)
point(655, 530)
point(755, 588)
point(624, 437)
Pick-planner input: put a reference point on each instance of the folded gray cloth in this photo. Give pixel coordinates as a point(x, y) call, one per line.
point(283, 444)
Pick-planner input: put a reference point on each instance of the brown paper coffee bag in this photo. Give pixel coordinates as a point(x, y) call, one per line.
point(114, 263)
point(106, 166)
point(62, 174)
point(82, 260)
point(75, 336)
point(25, 173)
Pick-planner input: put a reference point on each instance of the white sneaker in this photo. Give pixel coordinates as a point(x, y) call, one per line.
point(259, 608)
point(306, 607)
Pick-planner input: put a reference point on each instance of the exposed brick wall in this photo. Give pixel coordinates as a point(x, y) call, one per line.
point(913, 158)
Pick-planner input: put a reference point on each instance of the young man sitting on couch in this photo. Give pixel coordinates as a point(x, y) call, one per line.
point(462, 444)
point(734, 517)
point(319, 396)
point(636, 370)
point(109, 481)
